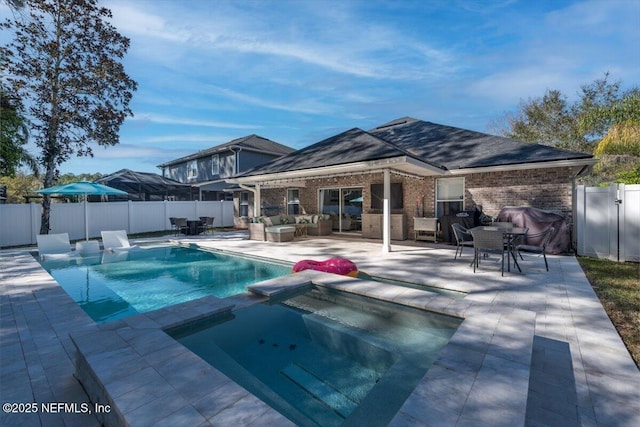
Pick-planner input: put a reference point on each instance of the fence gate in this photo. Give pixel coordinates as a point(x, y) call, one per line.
point(608, 222)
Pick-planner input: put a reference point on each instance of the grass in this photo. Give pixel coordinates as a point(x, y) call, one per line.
point(618, 287)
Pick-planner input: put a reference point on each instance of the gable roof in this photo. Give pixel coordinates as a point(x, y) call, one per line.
point(252, 142)
point(414, 146)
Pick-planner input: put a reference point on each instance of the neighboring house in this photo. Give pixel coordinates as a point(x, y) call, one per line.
point(207, 169)
point(427, 169)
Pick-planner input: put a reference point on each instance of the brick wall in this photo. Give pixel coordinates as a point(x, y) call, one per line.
point(548, 189)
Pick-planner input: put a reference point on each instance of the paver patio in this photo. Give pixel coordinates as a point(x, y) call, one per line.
point(580, 371)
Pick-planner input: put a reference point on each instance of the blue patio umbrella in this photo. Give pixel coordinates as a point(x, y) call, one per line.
point(83, 188)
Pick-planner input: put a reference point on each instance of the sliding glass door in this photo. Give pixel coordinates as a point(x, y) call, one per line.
point(344, 205)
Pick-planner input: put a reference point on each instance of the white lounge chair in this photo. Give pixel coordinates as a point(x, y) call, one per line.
point(52, 244)
point(115, 240)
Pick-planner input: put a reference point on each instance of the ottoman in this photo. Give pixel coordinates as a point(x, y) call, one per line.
point(280, 233)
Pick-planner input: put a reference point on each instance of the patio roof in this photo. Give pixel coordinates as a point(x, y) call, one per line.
point(414, 147)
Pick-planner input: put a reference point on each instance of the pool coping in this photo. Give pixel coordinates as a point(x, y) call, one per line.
point(160, 381)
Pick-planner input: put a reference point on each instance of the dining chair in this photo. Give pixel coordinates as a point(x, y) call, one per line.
point(541, 248)
point(463, 238)
point(181, 225)
point(488, 241)
point(207, 223)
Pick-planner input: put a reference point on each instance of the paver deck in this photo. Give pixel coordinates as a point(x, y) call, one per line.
point(579, 373)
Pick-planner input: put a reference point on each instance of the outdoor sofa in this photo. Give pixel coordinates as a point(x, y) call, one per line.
point(262, 227)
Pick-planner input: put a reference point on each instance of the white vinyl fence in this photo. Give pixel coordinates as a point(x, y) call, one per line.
point(20, 223)
point(608, 222)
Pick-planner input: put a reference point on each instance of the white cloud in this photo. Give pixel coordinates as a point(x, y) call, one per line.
point(347, 44)
point(171, 120)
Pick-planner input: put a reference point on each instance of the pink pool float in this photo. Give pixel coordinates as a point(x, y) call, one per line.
point(333, 265)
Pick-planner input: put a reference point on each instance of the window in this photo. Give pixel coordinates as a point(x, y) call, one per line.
point(215, 165)
point(244, 204)
point(293, 201)
point(377, 196)
point(449, 196)
point(192, 169)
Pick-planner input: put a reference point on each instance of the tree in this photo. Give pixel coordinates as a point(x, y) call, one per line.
point(602, 121)
point(64, 63)
point(68, 178)
point(14, 136)
point(551, 120)
point(619, 149)
point(545, 120)
point(19, 186)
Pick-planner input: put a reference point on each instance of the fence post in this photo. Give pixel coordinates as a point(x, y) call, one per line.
point(580, 220)
point(166, 216)
point(129, 215)
point(36, 216)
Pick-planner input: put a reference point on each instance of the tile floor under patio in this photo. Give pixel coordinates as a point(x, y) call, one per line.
point(580, 372)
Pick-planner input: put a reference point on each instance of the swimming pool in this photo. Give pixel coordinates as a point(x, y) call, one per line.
point(113, 285)
point(324, 357)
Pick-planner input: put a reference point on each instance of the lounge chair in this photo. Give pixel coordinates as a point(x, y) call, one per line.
point(51, 244)
point(115, 240)
point(541, 248)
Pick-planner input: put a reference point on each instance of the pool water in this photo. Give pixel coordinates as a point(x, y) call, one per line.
point(111, 286)
point(324, 357)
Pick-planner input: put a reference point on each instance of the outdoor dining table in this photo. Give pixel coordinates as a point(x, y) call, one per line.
point(192, 226)
point(510, 235)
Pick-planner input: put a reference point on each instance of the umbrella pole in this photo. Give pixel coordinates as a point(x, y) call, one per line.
point(86, 222)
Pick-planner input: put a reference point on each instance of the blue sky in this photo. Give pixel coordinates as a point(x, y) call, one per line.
point(297, 72)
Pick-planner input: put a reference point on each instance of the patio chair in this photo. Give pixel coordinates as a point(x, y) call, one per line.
point(180, 225)
point(207, 223)
point(174, 228)
point(488, 241)
point(463, 238)
point(116, 240)
point(49, 244)
point(541, 248)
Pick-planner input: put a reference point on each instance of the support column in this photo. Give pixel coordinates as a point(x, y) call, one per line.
point(257, 201)
point(386, 213)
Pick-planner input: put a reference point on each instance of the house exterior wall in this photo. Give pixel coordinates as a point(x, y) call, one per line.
point(227, 160)
point(179, 171)
point(548, 189)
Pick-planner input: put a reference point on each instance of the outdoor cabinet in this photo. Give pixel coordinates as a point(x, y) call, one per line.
point(372, 226)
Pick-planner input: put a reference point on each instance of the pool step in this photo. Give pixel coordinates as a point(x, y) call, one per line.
point(320, 390)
